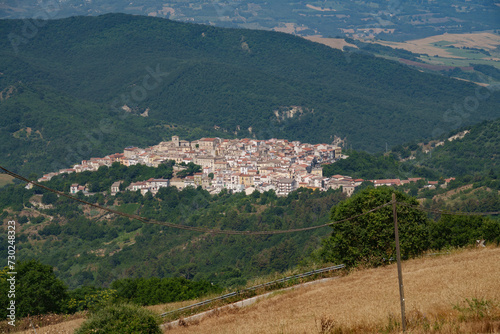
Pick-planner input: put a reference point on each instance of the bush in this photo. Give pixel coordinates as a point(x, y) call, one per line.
point(121, 319)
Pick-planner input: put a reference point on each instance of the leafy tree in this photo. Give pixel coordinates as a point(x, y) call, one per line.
point(459, 231)
point(49, 198)
point(154, 290)
point(88, 298)
point(369, 239)
point(190, 170)
point(38, 291)
point(187, 271)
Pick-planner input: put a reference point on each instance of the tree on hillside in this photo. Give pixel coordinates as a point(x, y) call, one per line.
point(49, 198)
point(38, 290)
point(369, 239)
point(190, 170)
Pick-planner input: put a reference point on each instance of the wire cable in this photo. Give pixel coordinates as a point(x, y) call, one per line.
point(187, 227)
point(445, 212)
point(234, 232)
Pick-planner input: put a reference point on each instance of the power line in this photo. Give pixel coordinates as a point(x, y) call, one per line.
point(445, 212)
point(186, 227)
point(229, 232)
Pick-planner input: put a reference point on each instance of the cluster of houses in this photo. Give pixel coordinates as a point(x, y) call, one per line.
point(237, 165)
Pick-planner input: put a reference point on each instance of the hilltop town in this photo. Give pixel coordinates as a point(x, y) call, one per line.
point(234, 164)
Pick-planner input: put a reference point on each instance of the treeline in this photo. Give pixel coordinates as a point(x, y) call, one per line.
point(368, 240)
point(102, 179)
point(477, 193)
point(154, 290)
point(368, 166)
point(377, 49)
point(39, 291)
point(476, 153)
point(75, 239)
point(473, 156)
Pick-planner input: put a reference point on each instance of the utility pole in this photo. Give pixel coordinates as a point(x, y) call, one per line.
point(398, 256)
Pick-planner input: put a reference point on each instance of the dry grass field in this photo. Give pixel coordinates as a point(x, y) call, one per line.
point(5, 180)
point(67, 327)
point(428, 45)
point(46, 324)
point(368, 301)
point(335, 43)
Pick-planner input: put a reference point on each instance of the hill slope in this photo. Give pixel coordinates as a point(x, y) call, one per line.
point(365, 301)
point(242, 82)
point(477, 152)
point(88, 248)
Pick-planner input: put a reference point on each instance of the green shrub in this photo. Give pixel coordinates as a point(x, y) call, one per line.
point(121, 319)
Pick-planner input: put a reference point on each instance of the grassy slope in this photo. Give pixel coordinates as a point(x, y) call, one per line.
point(363, 300)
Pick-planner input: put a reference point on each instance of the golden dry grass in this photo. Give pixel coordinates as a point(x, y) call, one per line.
point(484, 40)
point(5, 180)
point(336, 43)
point(161, 308)
point(45, 324)
point(363, 301)
point(67, 327)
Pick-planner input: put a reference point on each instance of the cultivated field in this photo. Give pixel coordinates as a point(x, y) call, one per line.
point(368, 301)
point(444, 52)
point(436, 45)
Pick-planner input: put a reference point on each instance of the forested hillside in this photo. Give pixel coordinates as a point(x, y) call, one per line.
point(477, 152)
point(224, 82)
point(87, 246)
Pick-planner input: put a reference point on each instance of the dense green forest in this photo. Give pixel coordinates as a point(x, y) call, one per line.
point(87, 247)
point(43, 130)
point(64, 86)
point(375, 166)
point(476, 154)
point(102, 179)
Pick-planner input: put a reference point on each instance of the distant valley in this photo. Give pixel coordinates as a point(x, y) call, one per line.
point(91, 85)
point(389, 20)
